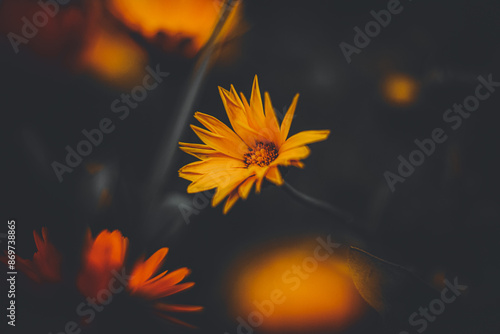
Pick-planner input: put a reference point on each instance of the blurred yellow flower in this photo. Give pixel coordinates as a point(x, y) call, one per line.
point(185, 25)
point(233, 161)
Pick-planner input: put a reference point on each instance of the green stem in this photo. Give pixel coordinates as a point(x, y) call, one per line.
point(317, 204)
point(164, 162)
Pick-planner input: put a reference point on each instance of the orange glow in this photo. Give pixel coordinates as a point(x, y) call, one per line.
point(100, 258)
point(94, 168)
point(400, 89)
point(314, 299)
point(179, 21)
point(114, 57)
point(105, 198)
point(46, 263)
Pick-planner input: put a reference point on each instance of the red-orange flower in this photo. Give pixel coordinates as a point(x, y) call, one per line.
point(101, 257)
point(106, 255)
point(46, 263)
point(142, 283)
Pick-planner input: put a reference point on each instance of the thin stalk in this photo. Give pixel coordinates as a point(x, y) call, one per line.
point(340, 215)
point(163, 164)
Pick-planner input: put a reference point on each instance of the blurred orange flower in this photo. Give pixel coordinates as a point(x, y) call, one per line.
point(142, 283)
point(105, 256)
point(101, 257)
point(233, 161)
point(185, 25)
point(46, 263)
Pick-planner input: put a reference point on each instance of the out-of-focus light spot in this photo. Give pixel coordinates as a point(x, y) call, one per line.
point(400, 89)
point(93, 168)
point(438, 279)
point(312, 294)
point(114, 57)
point(105, 198)
point(185, 25)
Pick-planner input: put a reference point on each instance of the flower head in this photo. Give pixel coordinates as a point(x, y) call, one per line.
point(46, 263)
point(233, 160)
point(186, 25)
point(101, 257)
point(105, 255)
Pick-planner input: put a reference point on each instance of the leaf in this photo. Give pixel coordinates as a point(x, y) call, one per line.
point(394, 292)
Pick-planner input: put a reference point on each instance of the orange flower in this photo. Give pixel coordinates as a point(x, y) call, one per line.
point(101, 257)
point(106, 254)
point(46, 263)
point(142, 283)
point(233, 160)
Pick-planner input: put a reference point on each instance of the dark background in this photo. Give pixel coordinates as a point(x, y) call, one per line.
point(443, 218)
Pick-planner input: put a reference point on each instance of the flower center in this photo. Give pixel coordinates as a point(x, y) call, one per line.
point(261, 155)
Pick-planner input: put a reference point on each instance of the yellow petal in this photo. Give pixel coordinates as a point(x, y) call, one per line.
point(274, 176)
point(212, 164)
point(231, 201)
point(190, 176)
point(194, 145)
point(263, 134)
point(202, 153)
point(236, 114)
point(296, 163)
point(236, 98)
point(216, 126)
point(304, 138)
point(234, 148)
point(213, 179)
point(245, 188)
point(234, 107)
point(287, 121)
point(297, 153)
point(261, 172)
point(234, 182)
point(256, 103)
point(255, 121)
point(272, 121)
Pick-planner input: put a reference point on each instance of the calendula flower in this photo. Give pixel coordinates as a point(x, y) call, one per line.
point(233, 160)
point(46, 263)
point(105, 256)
